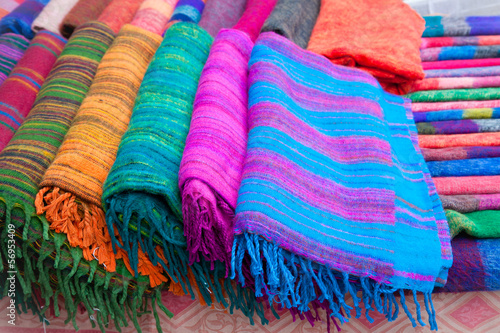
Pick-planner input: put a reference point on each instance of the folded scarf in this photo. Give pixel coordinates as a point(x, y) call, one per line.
point(389, 49)
point(459, 140)
point(456, 64)
point(294, 19)
point(467, 185)
point(71, 188)
point(449, 95)
point(436, 106)
point(438, 26)
point(459, 153)
point(52, 15)
point(20, 19)
point(460, 52)
point(221, 14)
point(457, 114)
point(12, 48)
point(300, 207)
point(18, 92)
point(467, 203)
point(83, 11)
point(464, 72)
point(459, 41)
point(468, 167)
point(212, 162)
point(476, 265)
point(33, 147)
point(456, 83)
point(459, 126)
point(481, 224)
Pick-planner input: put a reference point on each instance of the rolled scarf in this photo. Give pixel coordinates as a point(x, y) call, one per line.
point(457, 114)
point(459, 153)
point(20, 19)
point(301, 216)
point(464, 72)
point(71, 188)
point(84, 11)
point(436, 106)
point(188, 11)
point(294, 19)
point(459, 126)
point(476, 265)
point(454, 64)
point(389, 49)
point(52, 15)
point(459, 140)
point(467, 203)
point(443, 83)
point(12, 48)
point(481, 224)
point(459, 41)
point(34, 145)
point(439, 26)
point(212, 162)
point(18, 92)
point(468, 167)
point(221, 14)
point(467, 185)
point(449, 95)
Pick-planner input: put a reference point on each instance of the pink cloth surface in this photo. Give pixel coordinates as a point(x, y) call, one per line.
point(472, 312)
point(253, 18)
point(428, 42)
point(153, 15)
point(459, 140)
point(440, 83)
point(467, 185)
point(419, 107)
point(454, 64)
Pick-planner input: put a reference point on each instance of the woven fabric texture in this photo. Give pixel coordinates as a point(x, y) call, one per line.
point(459, 153)
point(459, 126)
point(153, 15)
point(459, 41)
point(119, 12)
point(84, 11)
point(456, 83)
point(479, 224)
point(221, 14)
point(389, 50)
point(467, 185)
point(438, 26)
point(449, 95)
point(457, 114)
point(467, 203)
point(460, 52)
point(20, 19)
point(453, 64)
point(302, 189)
point(18, 92)
point(52, 15)
point(12, 48)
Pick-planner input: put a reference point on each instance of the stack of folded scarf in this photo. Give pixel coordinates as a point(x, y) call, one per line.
point(456, 109)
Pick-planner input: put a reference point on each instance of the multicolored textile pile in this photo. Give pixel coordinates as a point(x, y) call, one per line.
point(250, 153)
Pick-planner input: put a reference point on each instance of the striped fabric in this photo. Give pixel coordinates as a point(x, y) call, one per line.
point(460, 52)
point(449, 95)
point(459, 153)
point(464, 72)
point(328, 202)
point(459, 140)
point(466, 203)
point(388, 51)
point(20, 19)
point(467, 185)
point(459, 126)
point(221, 14)
point(457, 64)
point(18, 92)
point(212, 162)
point(459, 41)
point(12, 48)
point(438, 26)
point(84, 11)
point(294, 19)
point(89, 148)
point(456, 83)
point(52, 15)
point(480, 224)
point(457, 114)
point(436, 106)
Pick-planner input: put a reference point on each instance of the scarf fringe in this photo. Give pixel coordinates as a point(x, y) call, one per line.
point(297, 282)
point(204, 227)
point(49, 267)
point(135, 215)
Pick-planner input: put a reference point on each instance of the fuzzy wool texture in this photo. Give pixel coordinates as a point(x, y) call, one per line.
point(18, 92)
point(439, 26)
point(52, 15)
point(19, 21)
point(12, 48)
point(467, 203)
point(221, 14)
point(457, 64)
point(84, 11)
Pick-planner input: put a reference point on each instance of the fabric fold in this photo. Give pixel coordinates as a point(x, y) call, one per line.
point(459, 126)
point(460, 52)
point(439, 26)
point(464, 72)
point(459, 140)
point(456, 83)
point(294, 19)
point(12, 48)
point(388, 49)
point(459, 41)
point(481, 224)
point(457, 114)
point(467, 185)
point(459, 153)
point(19, 21)
point(467, 203)
point(450, 95)
point(303, 207)
point(84, 11)
point(436, 106)
point(468, 167)
point(52, 15)
point(457, 64)
point(18, 92)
